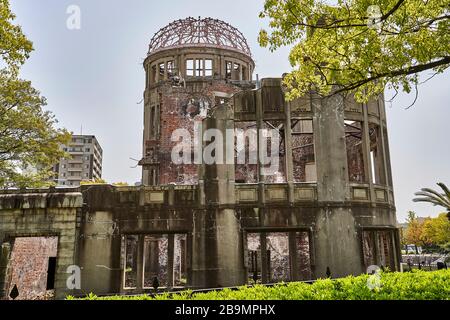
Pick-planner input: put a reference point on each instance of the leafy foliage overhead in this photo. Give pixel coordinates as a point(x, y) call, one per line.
point(15, 48)
point(359, 46)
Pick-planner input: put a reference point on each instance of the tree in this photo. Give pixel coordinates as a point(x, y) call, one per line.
point(102, 181)
point(358, 46)
point(435, 198)
point(94, 182)
point(121, 184)
point(29, 141)
point(437, 230)
point(414, 230)
point(15, 48)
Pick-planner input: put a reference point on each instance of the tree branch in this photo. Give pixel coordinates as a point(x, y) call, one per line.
point(396, 73)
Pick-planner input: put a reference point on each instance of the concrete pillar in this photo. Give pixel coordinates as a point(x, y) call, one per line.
point(4, 259)
point(170, 259)
point(335, 234)
point(289, 165)
point(367, 159)
point(217, 241)
point(264, 264)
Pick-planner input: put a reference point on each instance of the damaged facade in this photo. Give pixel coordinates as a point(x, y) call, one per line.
point(328, 209)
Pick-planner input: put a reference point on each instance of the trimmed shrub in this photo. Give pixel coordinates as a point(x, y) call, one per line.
point(415, 285)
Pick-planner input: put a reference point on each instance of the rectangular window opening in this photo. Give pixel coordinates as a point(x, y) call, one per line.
point(51, 273)
point(190, 68)
point(208, 68)
point(355, 151)
point(303, 151)
point(130, 269)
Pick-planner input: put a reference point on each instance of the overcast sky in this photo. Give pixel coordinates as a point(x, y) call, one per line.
point(93, 78)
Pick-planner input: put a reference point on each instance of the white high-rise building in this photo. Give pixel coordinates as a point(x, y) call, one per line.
point(84, 163)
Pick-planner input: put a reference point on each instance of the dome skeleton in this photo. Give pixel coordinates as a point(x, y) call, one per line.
point(206, 32)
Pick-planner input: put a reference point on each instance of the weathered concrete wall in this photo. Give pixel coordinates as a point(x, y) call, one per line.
point(40, 215)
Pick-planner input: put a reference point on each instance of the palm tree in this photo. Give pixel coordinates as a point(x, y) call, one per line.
point(436, 198)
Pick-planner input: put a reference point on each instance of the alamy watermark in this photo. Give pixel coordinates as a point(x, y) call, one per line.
point(73, 21)
point(74, 279)
point(374, 281)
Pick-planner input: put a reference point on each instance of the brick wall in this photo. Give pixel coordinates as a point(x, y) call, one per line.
point(29, 265)
point(180, 108)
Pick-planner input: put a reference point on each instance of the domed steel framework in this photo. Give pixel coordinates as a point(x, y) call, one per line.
point(206, 32)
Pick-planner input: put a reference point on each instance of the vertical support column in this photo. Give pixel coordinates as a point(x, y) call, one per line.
point(4, 260)
point(182, 65)
point(170, 260)
point(376, 249)
point(171, 200)
point(264, 262)
point(294, 274)
point(217, 243)
point(165, 70)
point(140, 264)
point(222, 67)
point(393, 249)
point(336, 237)
point(384, 146)
point(259, 126)
point(288, 151)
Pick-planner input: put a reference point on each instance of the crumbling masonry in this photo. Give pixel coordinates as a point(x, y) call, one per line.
point(328, 211)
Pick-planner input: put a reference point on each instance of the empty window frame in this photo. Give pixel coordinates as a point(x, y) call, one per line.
point(378, 248)
point(154, 127)
point(233, 70)
point(236, 71)
point(246, 152)
point(180, 261)
point(376, 155)
point(171, 69)
point(354, 137)
point(228, 69)
point(199, 67)
point(244, 73)
point(303, 153)
point(163, 261)
point(278, 267)
point(208, 68)
point(153, 176)
point(155, 261)
point(274, 162)
point(190, 69)
point(162, 70)
point(131, 265)
point(278, 257)
point(151, 128)
point(254, 264)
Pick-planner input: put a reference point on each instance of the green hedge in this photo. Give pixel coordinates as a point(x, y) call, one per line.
point(416, 285)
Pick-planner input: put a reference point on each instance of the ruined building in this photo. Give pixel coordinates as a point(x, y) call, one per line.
point(328, 209)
